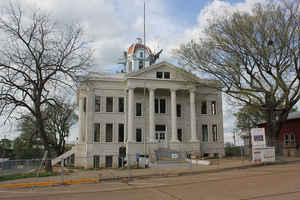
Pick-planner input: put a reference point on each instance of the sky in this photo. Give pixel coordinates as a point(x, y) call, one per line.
point(112, 25)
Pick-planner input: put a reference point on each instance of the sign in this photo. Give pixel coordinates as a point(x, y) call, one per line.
point(258, 137)
point(257, 155)
point(269, 154)
point(174, 155)
point(266, 154)
point(137, 156)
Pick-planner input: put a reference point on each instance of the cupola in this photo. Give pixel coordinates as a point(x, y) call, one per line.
point(139, 56)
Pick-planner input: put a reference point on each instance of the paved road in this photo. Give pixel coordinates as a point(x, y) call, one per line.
point(280, 182)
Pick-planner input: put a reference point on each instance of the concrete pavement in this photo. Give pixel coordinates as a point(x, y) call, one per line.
point(269, 182)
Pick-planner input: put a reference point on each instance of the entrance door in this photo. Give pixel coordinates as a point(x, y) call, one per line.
point(161, 135)
point(122, 155)
point(96, 162)
point(108, 161)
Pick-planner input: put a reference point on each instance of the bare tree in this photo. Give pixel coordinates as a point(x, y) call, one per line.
point(256, 58)
point(37, 57)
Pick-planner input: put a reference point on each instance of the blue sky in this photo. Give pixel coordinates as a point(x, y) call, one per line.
point(113, 25)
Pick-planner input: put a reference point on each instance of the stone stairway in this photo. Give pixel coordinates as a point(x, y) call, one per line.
point(63, 156)
point(166, 154)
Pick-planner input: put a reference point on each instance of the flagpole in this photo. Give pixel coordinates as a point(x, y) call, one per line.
point(144, 64)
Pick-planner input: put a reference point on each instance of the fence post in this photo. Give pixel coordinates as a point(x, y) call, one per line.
point(41, 164)
point(128, 167)
point(191, 165)
point(62, 170)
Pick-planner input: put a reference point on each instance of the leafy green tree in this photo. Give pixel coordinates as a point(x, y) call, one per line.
point(58, 121)
point(6, 148)
point(248, 117)
point(255, 57)
point(28, 146)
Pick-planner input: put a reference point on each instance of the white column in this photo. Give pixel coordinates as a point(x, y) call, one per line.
point(173, 116)
point(130, 114)
point(151, 115)
point(193, 116)
point(81, 121)
point(89, 116)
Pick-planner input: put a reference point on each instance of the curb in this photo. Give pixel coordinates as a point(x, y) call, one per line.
point(146, 176)
point(13, 185)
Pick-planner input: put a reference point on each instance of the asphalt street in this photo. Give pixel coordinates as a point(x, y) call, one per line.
point(268, 182)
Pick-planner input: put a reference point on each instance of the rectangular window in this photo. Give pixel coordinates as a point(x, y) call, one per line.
point(203, 107)
point(141, 54)
point(156, 105)
point(167, 75)
point(160, 127)
point(138, 109)
point(160, 130)
point(157, 136)
point(286, 139)
point(179, 134)
point(162, 136)
point(108, 161)
point(121, 104)
point(204, 133)
point(96, 162)
point(178, 110)
point(109, 104)
point(96, 132)
point(162, 105)
point(109, 133)
point(84, 104)
point(292, 141)
point(215, 132)
point(159, 75)
point(121, 132)
point(138, 135)
point(97, 103)
point(213, 108)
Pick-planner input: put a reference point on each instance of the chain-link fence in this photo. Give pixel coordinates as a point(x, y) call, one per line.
point(113, 166)
point(19, 166)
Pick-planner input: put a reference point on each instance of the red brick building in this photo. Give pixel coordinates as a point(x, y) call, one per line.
point(289, 137)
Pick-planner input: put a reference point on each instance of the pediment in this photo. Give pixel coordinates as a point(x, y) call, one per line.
point(175, 73)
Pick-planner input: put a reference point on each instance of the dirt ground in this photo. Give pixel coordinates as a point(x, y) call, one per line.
point(275, 182)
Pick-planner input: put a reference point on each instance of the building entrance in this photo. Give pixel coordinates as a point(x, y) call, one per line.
point(108, 161)
point(161, 134)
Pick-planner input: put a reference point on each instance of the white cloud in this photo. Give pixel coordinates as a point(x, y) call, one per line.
point(114, 25)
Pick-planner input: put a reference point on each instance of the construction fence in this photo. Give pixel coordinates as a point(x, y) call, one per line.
point(107, 167)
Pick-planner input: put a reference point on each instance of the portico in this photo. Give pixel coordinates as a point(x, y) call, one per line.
point(173, 113)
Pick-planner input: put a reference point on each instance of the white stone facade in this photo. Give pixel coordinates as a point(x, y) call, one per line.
point(166, 104)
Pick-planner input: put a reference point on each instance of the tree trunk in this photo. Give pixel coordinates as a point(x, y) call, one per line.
point(43, 135)
point(272, 135)
point(250, 144)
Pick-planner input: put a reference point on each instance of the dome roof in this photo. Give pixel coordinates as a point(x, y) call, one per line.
point(134, 47)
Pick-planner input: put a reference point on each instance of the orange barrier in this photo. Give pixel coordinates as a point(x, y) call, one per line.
point(91, 180)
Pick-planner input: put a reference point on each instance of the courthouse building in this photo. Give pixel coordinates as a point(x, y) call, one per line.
point(148, 106)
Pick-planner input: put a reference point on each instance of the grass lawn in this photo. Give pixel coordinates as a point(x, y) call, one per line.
point(25, 175)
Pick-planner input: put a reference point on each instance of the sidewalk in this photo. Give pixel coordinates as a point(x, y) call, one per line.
point(111, 174)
